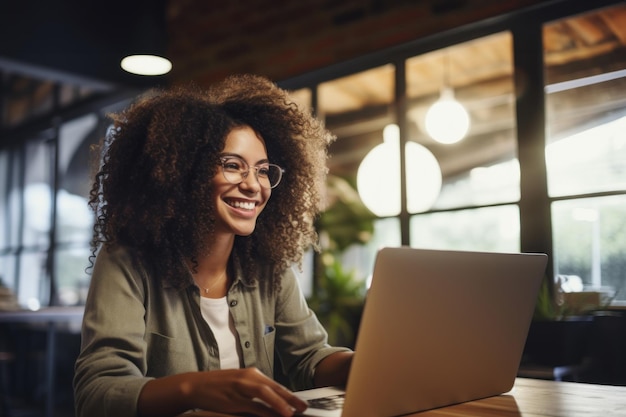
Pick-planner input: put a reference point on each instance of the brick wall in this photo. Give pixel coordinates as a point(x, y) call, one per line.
point(284, 38)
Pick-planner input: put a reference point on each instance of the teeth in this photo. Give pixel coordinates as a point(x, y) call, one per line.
point(242, 205)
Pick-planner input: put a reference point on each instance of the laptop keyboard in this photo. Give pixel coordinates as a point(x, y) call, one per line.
point(332, 402)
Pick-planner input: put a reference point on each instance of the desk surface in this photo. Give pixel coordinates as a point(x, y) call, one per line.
point(44, 315)
point(539, 398)
point(530, 398)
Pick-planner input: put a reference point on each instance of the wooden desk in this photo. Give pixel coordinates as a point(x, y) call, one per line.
point(50, 317)
point(529, 398)
point(539, 398)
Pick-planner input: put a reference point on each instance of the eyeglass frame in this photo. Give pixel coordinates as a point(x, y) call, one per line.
point(244, 174)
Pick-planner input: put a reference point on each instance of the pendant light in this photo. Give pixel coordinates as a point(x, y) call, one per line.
point(146, 51)
point(146, 64)
point(447, 120)
point(378, 176)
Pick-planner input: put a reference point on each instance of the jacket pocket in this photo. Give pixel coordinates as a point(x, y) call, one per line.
point(168, 355)
point(269, 337)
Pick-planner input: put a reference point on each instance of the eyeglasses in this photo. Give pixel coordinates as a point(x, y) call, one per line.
point(236, 170)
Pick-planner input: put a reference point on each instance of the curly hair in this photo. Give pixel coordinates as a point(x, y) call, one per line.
point(151, 192)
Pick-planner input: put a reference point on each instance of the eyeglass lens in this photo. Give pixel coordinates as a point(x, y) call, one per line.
point(236, 170)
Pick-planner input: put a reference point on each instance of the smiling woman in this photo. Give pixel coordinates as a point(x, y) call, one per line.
point(198, 226)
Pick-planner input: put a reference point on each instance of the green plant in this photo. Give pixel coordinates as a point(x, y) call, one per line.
point(338, 300)
point(346, 220)
point(545, 308)
point(553, 303)
point(338, 293)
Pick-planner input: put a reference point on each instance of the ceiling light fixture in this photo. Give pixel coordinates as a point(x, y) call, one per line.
point(146, 64)
point(447, 121)
point(146, 48)
point(378, 176)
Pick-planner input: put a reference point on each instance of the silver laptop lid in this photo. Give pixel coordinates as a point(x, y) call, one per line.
point(441, 327)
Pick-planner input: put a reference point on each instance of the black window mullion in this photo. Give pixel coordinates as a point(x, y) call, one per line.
point(534, 205)
point(400, 108)
point(54, 189)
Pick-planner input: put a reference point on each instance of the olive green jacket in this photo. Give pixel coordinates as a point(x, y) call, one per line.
point(136, 328)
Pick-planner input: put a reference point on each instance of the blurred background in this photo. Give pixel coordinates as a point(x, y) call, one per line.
point(527, 152)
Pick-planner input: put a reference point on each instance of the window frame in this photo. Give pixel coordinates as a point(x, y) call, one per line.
point(526, 27)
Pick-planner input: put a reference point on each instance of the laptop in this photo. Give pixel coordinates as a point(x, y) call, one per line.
point(438, 328)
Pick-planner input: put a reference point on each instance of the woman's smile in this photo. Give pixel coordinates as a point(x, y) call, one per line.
point(241, 205)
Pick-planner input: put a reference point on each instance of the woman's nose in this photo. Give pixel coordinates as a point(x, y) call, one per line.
point(250, 182)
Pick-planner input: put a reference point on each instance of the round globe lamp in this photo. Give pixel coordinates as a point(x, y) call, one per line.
point(447, 121)
point(378, 176)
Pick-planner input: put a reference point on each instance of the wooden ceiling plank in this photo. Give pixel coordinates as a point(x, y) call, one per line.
point(615, 19)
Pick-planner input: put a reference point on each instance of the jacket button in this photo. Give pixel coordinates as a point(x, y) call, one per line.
point(247, 344)
point(233, 303)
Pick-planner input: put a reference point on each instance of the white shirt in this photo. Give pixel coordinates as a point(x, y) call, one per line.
point(215, 312)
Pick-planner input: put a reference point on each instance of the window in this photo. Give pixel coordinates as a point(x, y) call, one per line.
point(43, 259)
point(357, 108)
point(490, 229)
point(479, 203)
point(474, 183)
point(590, 243)
point(74, 218)
point(481, 169)
point(586, 149)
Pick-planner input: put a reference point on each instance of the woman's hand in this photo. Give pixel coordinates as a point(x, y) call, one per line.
point(232, 391)
point(244, 391)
